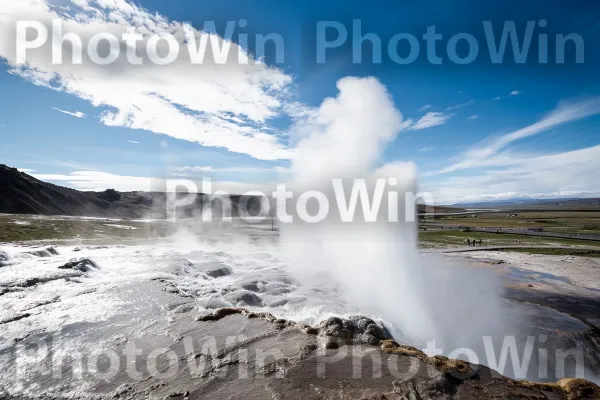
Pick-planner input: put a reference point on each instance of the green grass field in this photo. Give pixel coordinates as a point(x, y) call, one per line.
point(552, 221)
point(20, 228)
point(459, 238)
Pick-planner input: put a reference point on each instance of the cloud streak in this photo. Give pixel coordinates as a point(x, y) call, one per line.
point(430, 120)
point(76, 114)
point(563, 114)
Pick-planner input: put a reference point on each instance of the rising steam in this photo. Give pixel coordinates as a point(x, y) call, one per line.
point(377, 266)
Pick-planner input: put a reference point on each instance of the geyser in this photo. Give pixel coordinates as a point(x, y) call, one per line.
point(376, 266)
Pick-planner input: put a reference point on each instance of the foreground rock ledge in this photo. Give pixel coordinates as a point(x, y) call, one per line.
point(234, 353)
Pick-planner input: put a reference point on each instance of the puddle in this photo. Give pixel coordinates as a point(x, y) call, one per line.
point(525, 275)
point(541, 318)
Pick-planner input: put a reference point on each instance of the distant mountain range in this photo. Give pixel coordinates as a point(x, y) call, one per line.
point(527, 203)
point(21, 193)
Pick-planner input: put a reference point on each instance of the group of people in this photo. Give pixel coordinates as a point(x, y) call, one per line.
point(473, 242)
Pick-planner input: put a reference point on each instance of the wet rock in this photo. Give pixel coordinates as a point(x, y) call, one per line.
point(309, 330)
point(219, 272)
point(3, 259)
point(15, 318)
point(215, 303)
point(184, 308)
point(279, 303)
point(48, 252)
point(83, 265)
point(437, 387)
point(331, 344)
point(248, 298)
point(220, 313)
point(252, 286)
point(356, 330)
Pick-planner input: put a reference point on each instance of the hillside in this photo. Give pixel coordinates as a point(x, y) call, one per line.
point(21, 193)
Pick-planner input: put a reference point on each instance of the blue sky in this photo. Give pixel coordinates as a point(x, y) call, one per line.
point(476, 131)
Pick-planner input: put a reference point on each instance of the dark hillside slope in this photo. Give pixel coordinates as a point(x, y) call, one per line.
point(21, 193)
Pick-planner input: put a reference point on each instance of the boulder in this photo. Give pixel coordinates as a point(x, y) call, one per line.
point(219, 272)
point(83, 265)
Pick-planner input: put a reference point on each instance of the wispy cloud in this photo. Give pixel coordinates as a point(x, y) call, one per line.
point(237, 169)
point(425, 107)
point(76, 114)
point(426, 149)
point(133, 141)
point(567, 174)
point(564, 113)
point(472, 117)
point(207, 168)
point(461, 105)
point(99, 181)
point(511, 94)
point(430, 120)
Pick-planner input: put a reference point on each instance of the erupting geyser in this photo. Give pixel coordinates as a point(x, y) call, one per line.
point(375, 265)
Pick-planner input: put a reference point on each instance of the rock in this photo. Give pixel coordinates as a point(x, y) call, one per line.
point(110, 195)
point(218, 314)
point(48, 252)
point(356, 330)
point(83, 265)
point(3, 259)
point(219, 272)
point(252, 286)
point(248, 298)
point(331, 344)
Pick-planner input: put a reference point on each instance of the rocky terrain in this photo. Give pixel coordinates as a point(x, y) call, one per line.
point(76, 324)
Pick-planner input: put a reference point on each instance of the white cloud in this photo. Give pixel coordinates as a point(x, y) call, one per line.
point(238, 169)
point(133, 141)
point(430, 120)
point(26, 170)
point(564, 113)
point(567, 174)
point(225, 106)
point(472, 117)
point(513, 93)
point(426, 149)
point(100, 181)
point(76, 114)
point(195, 169)
point(425, 107)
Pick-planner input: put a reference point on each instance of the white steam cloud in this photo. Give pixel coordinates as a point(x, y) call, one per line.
point(377, 266)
